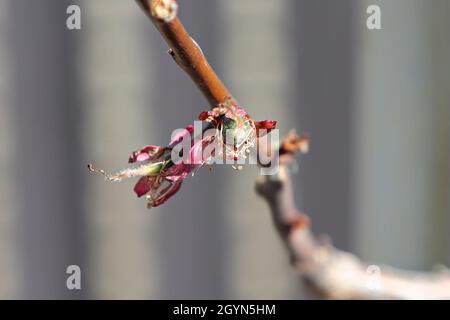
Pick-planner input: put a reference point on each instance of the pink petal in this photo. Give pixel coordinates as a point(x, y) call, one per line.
point(146, 153)
point(178, 172)
point(144, 185)
point(180, 136)
point(265, 124)
point(166, 193)
point(142, 157)
point(190, 128)
point(203, 115)
point(196, 155)
point(236, 112)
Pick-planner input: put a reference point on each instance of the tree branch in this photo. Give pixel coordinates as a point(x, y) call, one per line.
point(333, 273)
point(330, 272)
point(185, 51)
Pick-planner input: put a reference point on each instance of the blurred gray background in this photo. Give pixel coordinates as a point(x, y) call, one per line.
point(377, 178)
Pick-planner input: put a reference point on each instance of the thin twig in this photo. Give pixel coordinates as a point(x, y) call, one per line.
point(185, 51)
point(330, 272)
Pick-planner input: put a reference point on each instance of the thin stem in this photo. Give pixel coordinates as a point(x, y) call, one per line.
point(330, 272)
point(186, 52)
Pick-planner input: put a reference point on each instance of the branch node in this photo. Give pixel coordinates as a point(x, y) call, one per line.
point(164, 10)
point(172, 55)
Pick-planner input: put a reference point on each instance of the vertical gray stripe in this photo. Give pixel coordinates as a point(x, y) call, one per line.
point(47, 158)
point(114, 72)
point(8, 245)
point(396, 145)
point(256, 54)
point(323, 37)
point(191, 247)
point(440, 45)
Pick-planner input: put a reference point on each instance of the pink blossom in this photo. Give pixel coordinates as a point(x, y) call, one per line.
point(161, 178)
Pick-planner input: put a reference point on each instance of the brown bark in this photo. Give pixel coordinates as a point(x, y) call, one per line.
point(331, 272)
point(185, 51)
